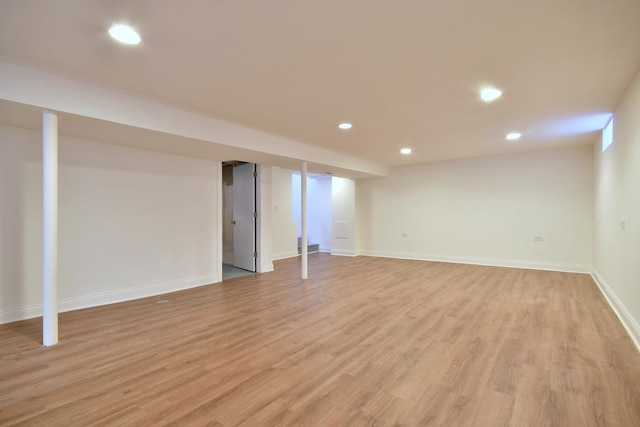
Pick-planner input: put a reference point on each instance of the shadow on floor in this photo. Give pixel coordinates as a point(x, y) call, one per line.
point(231, 272)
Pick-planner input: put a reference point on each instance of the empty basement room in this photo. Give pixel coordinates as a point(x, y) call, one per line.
point(469, 172)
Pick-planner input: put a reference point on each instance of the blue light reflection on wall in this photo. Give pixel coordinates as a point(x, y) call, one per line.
point(574, 125)
point(607, 135)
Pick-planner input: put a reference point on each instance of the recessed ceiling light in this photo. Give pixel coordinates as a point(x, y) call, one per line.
point(489, 94)
point(405, 151)
point(345, 126)
point(513, 136)
point(124, 34)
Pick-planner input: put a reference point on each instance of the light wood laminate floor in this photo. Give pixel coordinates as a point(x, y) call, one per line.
point(365, 341)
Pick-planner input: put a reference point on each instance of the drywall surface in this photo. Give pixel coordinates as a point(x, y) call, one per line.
point(531, 210)
point(617, 213)
point(264, 233)
point(284, 228)
point(343, 198)
point(132, 223)
point(323, 213)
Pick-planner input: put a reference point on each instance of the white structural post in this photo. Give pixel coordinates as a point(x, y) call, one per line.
point(303, 243)
point(49, 228)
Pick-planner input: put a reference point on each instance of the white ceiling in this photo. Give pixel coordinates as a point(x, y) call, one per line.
point(404, 72)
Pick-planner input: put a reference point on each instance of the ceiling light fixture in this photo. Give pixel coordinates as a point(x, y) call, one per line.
point(489, 94)
point(124, 34)
point(405, 151)
point(345, 126)
point(513, 136)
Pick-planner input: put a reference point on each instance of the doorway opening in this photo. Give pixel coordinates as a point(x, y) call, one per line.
point(319, 211)
point(239, 223)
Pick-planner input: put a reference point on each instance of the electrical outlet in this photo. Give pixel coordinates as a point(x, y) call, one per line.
point(537, 238)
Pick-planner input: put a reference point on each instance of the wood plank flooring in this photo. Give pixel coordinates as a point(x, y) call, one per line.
point(365, 341)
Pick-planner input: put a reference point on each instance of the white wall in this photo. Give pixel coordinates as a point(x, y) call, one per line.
point(264, 232)
point(20, 221)
point(323, 210)
point(319, 212)
point(296, 201)
point(284, 228)
point(343, 197)
point(485, 210)
point(314, 232)
point(196, 135)
point(617, 198)
point(319, 209)
point(132, 223)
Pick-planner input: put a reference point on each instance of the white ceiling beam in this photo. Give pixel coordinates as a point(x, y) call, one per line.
point(50, 91)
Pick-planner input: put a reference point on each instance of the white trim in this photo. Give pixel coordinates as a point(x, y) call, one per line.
point(220, 213)
point(325, 249)
point(619, 309)
point(110, 297)
point(343, 252)
point(17, 314)
point(530, 265)
point(264, 233)
point(267, 268)
point(292, 254)
point(42, 89)
point(285, 255)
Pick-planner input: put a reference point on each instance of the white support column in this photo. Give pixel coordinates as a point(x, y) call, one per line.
point(49, 228)
point(303, 214)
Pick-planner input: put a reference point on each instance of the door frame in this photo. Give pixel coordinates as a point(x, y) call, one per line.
point(264, 260)
point(245, 215)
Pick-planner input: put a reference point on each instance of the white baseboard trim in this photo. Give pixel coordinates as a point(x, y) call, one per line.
point(17, 314)
point(325, 249)
point(265, 266)
point(104, 298)
point(267, 269)
point(343, 252)
point(619, 309)
point(285, 255)
point(294, 254)
point(509, 263)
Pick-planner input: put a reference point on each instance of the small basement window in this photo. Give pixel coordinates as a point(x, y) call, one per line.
point(607, 135)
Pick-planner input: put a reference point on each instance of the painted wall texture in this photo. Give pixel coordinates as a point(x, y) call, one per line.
point(530, 209)
point(132, 223)
point(616, 229)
